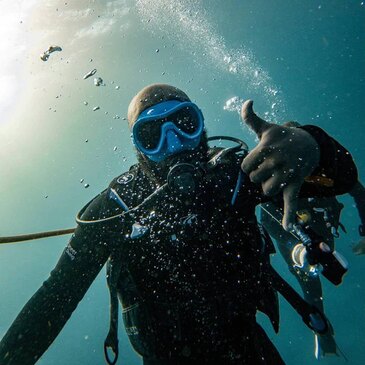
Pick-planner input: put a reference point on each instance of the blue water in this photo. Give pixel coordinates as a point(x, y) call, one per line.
point(298, 60)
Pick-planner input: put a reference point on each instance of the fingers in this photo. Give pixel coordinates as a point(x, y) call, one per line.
point(264, 171)
point(247, 108)
point(290, 195)
point(268, 171)
point(258, 125)
point(273, 185)
point(255, 158)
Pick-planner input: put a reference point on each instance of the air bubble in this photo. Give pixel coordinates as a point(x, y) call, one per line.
point(233, 104)
point(98, 81)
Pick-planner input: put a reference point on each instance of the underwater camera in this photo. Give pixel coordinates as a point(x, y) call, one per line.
point(313, 255)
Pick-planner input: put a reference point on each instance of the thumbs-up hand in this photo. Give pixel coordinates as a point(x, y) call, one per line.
point(281, 160)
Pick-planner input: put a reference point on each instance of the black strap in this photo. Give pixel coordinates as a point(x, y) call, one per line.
point(309, 313)
point(114, 268)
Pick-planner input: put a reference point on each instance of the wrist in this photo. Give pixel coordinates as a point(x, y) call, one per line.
point(317, 136)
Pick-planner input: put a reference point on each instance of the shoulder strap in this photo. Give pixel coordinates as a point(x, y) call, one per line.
point(113, 269)
point(125, 183)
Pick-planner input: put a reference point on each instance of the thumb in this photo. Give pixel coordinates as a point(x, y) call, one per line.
point(290, 196)
point(258, 125)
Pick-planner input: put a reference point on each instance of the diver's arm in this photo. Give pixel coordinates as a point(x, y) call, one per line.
point(285, 157)
point(45, 314)
point(336, 172)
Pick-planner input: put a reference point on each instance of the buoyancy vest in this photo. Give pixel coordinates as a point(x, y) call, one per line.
point(192, 267)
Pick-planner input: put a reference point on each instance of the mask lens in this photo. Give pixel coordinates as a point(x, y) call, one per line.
point(149, 133)
point(187, 120)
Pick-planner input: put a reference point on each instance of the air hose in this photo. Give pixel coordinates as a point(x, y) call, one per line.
point(241, 146)
point(35, 236)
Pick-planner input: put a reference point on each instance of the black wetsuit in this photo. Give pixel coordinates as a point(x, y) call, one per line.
point(193, 271)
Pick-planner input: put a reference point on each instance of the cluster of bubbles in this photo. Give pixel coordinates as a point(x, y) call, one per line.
point(188, 22)
point(234, 104)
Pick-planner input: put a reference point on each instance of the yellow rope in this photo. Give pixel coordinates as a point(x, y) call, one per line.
point(35, 236)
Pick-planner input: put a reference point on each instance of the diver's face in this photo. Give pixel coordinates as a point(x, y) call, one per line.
point(160, 169)
point(195, 156)
point(164, 139)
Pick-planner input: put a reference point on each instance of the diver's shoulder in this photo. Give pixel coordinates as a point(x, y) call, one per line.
point(127, 189)
point(127, 179)
point(104, 204)
point(94, 210)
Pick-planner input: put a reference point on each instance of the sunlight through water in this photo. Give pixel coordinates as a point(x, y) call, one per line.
point(187, 22)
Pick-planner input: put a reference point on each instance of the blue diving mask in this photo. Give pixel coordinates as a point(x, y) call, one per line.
point(168, 128)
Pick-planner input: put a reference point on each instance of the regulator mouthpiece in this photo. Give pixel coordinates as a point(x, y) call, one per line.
point(184, 178)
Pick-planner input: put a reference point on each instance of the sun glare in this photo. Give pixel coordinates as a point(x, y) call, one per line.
point(13, 46)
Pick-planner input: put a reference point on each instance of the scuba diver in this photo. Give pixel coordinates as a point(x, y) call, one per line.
point(185, 255)
point(322, 214)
